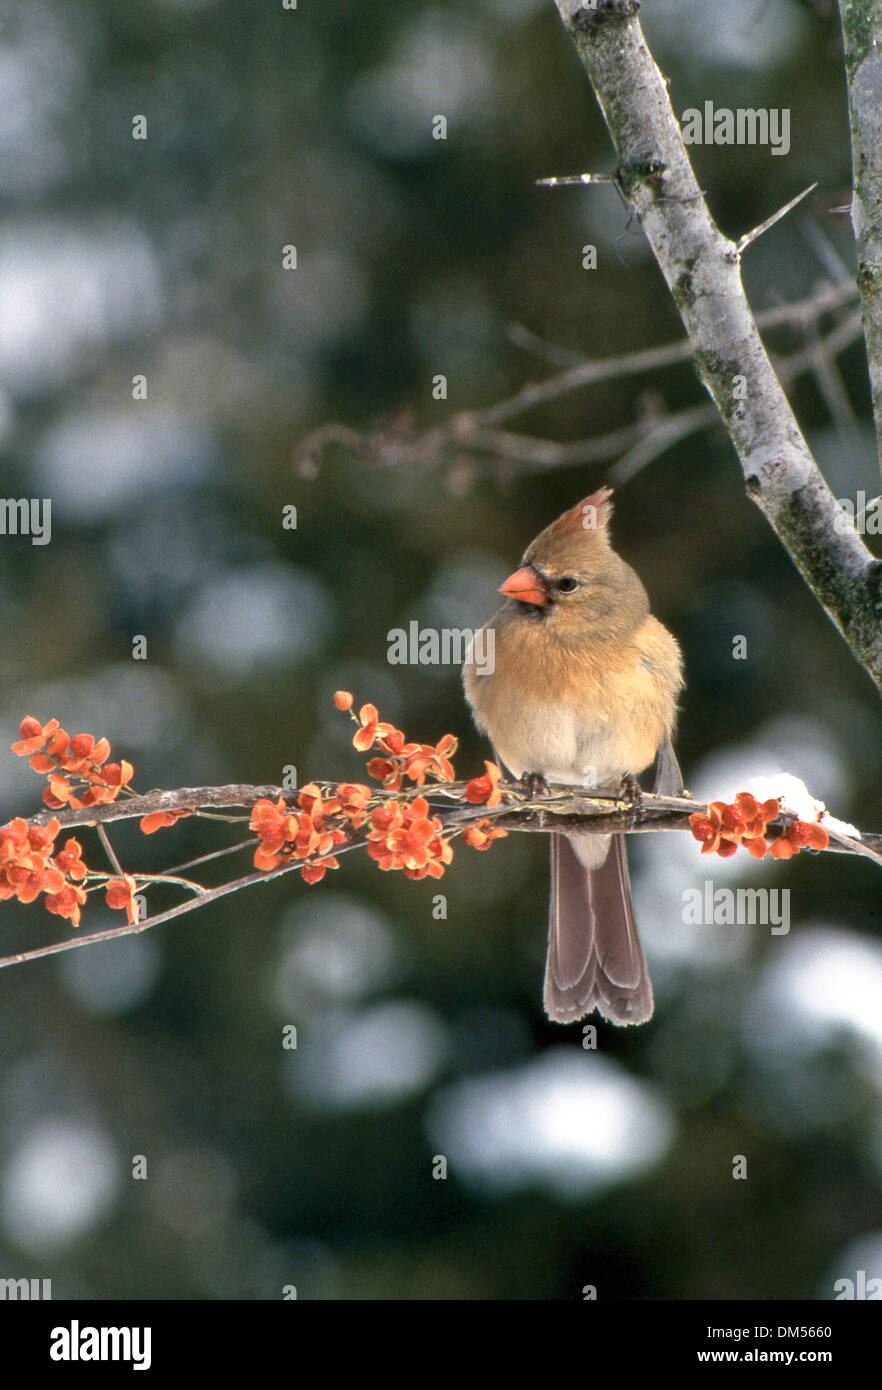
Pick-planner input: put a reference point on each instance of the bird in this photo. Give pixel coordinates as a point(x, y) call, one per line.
point(582, 690)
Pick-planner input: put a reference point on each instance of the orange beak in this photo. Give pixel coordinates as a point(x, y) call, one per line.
point(526, 586)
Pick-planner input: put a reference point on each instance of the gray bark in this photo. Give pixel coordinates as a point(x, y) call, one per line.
point(862, 42)
point(703, 271)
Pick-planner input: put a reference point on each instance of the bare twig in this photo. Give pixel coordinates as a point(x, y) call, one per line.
point(669, 431)
point(559, 180)
point(633, 446)
point(828, 298)
point(132, 928)
point(398, 444)
point(743, 242)
point(109, 850)
point(593, 372)
point(827, 254)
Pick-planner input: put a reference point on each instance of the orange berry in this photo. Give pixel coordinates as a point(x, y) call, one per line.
point(799, 833)
point(701, 827)
point(733, 817)
point(782, 848)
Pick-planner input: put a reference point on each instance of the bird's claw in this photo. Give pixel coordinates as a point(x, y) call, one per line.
point(631, 788)
point(534, 784)
point(632, 792)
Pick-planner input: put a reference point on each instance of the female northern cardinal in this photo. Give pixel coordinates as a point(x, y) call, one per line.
point(583, 690)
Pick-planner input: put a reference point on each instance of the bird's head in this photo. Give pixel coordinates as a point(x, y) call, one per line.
point(571, 575)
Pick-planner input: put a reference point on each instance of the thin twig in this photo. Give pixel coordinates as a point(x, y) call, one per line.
point(110, 851)
point(559, 180)
point(749, 237)
point(826, 299)
point(396, 444)
point(132, 928)
point(669, 431)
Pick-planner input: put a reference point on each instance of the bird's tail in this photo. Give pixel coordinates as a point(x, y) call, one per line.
point(595, 960)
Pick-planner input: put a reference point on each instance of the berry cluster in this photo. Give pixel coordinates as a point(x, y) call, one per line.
point(78, 770)
point(402, 833)
point(744, 821)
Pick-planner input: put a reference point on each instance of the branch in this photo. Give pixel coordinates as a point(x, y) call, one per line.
point(703, 271)
point(183, 799)
point(562, 807)
point(397, 444)
point(605, 812)
point(558, 808)
point(862, 42)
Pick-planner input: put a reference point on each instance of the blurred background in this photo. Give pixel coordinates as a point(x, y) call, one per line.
point(417, 1036)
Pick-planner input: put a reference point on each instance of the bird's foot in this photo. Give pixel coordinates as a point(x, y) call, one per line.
point(534, 784)
point(632, 792)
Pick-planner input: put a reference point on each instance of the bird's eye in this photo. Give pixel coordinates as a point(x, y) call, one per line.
point(567, 584)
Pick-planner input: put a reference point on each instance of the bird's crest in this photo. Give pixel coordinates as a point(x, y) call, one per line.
point(592, 514)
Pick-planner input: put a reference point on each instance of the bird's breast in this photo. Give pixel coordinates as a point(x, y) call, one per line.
point(586, 714)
